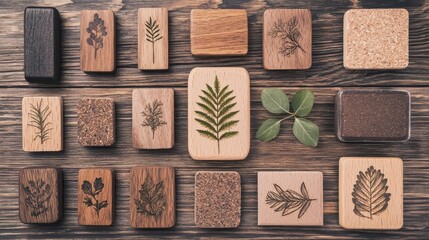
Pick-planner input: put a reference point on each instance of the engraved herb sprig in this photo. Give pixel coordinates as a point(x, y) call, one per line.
point(153, 116)
point(151, 201)
point(98, 187)
point(277, 102)
point(152, 34)
point(97, 31)
point(37, 195)
point(289, 34)
point(39, 119)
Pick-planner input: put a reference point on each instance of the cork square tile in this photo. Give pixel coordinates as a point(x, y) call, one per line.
point(96, 196)
point(217, 199)
point(219, 32)
point(42, 124)
point(376, 39)
point(287, 39)
point(371, 193)
point(219, 113)
point(153, 118)
point(96, 122)
point(290, 199)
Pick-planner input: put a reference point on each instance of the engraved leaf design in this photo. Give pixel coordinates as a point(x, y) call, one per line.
point(370, 195)
point(153, 116)
point(152, 34)
point(39, 115)
point(96, 31)
point(289, 34)
point(289, 201)
point(37, 196)
point(97, 204)
point(151, 201)
point(217, 112)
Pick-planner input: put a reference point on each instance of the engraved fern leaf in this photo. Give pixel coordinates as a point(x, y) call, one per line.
point(39, 119)
point(370, 195)
point(152, 34)
point(216, 112)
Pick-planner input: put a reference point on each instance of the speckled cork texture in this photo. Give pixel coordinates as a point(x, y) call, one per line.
point(376, 39)
point(217, 199)
point(372, 115)
point(96, 122)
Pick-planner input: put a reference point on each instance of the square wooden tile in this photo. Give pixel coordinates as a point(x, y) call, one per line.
point(152, 197)
point(219, 113)
point(219, 32)
point(153, 118)
point(97, 41)
point(96, 122)
point(217, 199)
point(42, 124)
point(153, 38)
point(290, 198)
point(40, 195)
point(96, 196)
point(376, 39)
point(287, 39)
point(371, 193)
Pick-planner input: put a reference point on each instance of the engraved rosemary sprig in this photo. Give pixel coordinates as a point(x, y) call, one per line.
point(39, 119)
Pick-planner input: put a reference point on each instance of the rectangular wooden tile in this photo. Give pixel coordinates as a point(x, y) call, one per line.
point(42, 59)
point(153, 118)
point(290, 198)
point(42, 124)
point(97, 41)
point(371, 193)
point(217, 32)
point(40, 195)
point(152, 197)
point(219, 113)
point(96, 196)
point(153, 38)
point(287, 39)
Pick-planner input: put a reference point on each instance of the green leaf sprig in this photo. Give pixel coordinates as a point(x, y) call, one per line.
point(277, 102)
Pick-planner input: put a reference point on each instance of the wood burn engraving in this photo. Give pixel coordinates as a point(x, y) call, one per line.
point(93, 193)
point(37, 196)
point(151, 201)
point(97, 31)
point(289, 34)
point(153, 116)
point(39, 115)
point(152, 34)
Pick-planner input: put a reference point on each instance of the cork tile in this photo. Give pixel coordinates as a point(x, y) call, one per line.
point(97, 41)
point(152, 197)
point(96, 196)
point(153, 118)
point(287, 39)
point(219, 32)
point(40, 195)
point(42, 124)
point(376, 39)
point(371, 193)
point(290, 198)
point(217, 199)
point(96, 122)
point(219, 113)
point(153, 38)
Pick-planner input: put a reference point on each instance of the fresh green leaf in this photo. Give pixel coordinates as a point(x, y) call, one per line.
point(268, 130)
point(306, 132)
point(275, 100)
point(302, 102)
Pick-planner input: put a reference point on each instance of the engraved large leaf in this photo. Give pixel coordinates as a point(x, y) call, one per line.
point(370, 195)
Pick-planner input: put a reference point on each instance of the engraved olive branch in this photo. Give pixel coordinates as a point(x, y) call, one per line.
point(36, 195)
point(98, 187)
point(97, 31)
point(289, 34)
point(151, 201)
point(39, 120)
point(153, 116)
point(152, 34)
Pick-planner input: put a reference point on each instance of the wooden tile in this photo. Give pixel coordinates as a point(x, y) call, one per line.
point(287, 39)
point(219, 117)
point(217, 199)
point(96, 196)
point(153, 118)
point(97, 41)
point(217, 32)
point(42, 60)
point(42, 124)
point(370, 193)
point(96, 122)
point(290, 198)
point(40, 195)
point(376, 39)
point(153, 38)
point(152, 197)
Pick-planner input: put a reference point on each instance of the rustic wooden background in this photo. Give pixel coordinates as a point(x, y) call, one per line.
point(326, 77)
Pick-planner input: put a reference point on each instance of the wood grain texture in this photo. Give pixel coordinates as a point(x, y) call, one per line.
point(221, 32)
point(153, 38)
point(381, 211)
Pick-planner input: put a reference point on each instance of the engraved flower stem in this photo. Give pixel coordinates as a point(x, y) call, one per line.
point(97, 210)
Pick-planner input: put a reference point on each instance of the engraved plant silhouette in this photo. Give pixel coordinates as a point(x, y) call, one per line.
point(217, 105)
point(153, 116)
point(39, 119)
point(92, 194)
point(151, 201)
point(97, 31)
point(289, 201)
point(37, 196)
point(152, 34)
point(289, 34)
point(370, 195)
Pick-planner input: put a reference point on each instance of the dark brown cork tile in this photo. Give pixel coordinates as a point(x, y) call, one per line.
point(96, 122)
point(372, 115)
point(217, 199)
